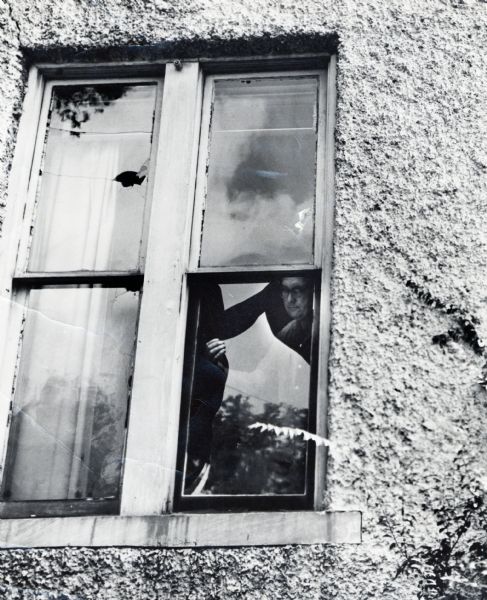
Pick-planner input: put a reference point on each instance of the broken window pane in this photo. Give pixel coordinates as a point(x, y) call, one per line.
point(92, 189)
point(248, 375)
point(260, 195)
point(70, 403)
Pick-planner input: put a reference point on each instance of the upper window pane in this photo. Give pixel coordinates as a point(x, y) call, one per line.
point(260, 196)
point(93, 181)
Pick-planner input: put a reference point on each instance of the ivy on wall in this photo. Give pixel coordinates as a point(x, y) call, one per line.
point(465, 329)
point(453, 564)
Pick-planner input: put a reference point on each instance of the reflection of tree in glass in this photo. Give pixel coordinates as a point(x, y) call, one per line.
point(106, 445)
point(103, 436)
point(76, 103)
point(247, 461)
point(53, 442)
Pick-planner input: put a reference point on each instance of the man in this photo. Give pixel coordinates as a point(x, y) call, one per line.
point(287, 305)
point(296, 294)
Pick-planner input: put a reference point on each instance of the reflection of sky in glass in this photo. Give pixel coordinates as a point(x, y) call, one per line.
point(261, 176)
point(85, 219)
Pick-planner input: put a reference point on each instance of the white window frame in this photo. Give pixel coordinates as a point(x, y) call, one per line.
point(146, 516)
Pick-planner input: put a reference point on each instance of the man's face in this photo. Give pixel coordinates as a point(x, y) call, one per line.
point(296, 296)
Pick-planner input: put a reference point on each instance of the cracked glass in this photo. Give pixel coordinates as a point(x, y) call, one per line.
point(71, 394)
point(247, 380)
point(93, 181)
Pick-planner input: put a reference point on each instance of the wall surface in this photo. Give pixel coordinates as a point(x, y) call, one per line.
point(410, 251)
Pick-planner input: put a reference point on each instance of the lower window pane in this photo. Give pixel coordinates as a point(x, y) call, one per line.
point(68, 419)
point(247, 389)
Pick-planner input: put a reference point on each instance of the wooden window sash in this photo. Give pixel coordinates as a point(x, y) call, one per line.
point(148, 478)
point(323, 231)
point(152, 436)
point(16, 291)
point(42, 128)
point(256, 501)
point(201, 180)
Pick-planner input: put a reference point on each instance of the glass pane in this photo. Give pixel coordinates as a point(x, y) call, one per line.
point(250, 366)
point(68, 425)
point(260, 194)
point(93, 182)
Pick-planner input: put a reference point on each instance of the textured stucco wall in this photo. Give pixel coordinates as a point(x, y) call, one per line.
point(411, 165)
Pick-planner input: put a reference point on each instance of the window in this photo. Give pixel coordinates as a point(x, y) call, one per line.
point(256, 251)
point(78, 278)
point(167, 266)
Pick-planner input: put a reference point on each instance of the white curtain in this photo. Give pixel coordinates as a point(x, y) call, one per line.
point(67, 431)
point(77, 342)
point(77, 205)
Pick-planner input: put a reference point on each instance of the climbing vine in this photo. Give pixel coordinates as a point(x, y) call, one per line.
point(453, 566)
point(465, 328)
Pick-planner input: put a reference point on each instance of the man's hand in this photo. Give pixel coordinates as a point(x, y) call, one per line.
point(215, 348)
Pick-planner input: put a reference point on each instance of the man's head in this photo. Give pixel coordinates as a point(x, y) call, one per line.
point(296, 296)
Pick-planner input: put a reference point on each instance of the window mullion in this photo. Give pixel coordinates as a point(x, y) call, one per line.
point(154, 412)
point(11, 308)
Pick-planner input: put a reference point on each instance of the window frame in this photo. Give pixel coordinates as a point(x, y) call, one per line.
point(201, 181)
point(147, 493)
point(24, 281)
point(263, 501)
point(323, 68)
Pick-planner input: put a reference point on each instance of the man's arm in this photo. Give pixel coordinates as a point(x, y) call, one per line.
point(242, 316)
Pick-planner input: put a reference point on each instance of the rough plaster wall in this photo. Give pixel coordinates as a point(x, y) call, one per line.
point(411, 163)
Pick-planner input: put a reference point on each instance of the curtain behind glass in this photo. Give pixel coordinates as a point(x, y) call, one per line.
point(68, 425)
point(91, 195)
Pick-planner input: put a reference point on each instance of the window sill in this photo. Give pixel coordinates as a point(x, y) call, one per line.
point(185, 530)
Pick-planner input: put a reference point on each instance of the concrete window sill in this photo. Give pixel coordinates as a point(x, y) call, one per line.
point(185, 530)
